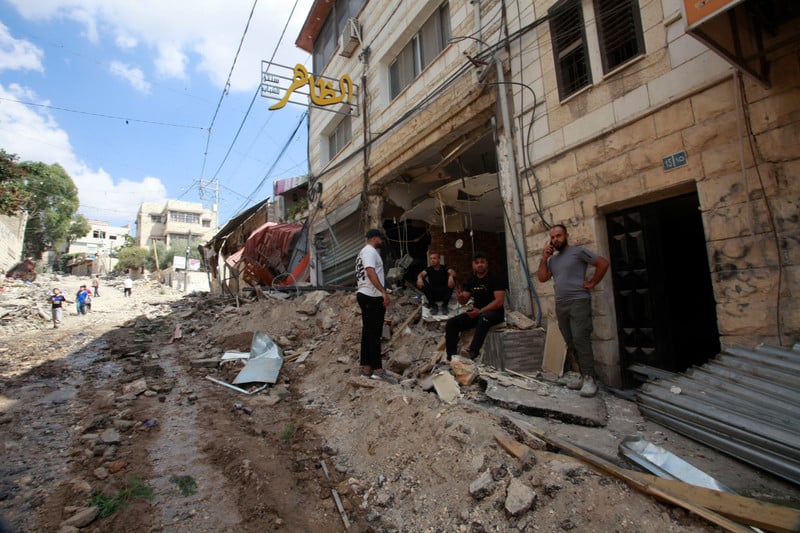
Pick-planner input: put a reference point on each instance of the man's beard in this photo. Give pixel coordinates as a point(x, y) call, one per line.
point(560, 247)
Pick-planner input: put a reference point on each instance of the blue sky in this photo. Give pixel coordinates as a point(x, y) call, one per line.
point(123, 93)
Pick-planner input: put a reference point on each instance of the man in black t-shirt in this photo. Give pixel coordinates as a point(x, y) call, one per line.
point(437, 282)
point(488, 293)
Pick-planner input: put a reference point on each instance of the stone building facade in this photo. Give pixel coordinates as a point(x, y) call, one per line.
point(12, 237)
point(604, 115)
point(174, 223)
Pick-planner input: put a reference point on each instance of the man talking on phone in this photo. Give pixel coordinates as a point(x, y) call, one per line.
point(574, 300)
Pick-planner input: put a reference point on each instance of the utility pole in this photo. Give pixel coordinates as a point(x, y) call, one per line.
point(186, 269)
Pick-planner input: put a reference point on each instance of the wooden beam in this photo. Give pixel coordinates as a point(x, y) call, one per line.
point(640, 482)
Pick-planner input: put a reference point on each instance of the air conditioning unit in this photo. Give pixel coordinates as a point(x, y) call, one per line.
point(350, 38)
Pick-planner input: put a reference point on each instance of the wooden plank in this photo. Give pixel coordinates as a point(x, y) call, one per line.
point(517, 449)
point(555, 349)
point(641, 482)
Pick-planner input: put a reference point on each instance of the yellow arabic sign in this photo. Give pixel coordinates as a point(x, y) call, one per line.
point(320, 91)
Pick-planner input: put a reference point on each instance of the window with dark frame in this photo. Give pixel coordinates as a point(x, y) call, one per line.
point(619, 27)
point(570, 52)
point(340, 137)
point(328, 38)
point(420, 51)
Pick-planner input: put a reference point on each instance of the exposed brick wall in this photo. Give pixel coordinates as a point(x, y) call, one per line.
point(492, 244)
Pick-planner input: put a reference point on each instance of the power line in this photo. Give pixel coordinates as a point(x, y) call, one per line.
point(227, 86)
point(101, 115)
point(255, 95)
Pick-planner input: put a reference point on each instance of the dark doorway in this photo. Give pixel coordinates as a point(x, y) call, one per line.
point(666, 313)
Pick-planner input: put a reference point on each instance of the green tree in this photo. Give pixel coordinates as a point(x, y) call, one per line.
point(12, 185)
point(51, 205)
point(78, 228)
point(132, 257)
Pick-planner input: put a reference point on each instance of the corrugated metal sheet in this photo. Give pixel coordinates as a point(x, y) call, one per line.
point(337, 249)
point(744, 402)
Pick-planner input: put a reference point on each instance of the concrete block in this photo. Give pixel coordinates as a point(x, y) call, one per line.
point(790, 318)
point(789, 244)
point(750, 317)
point(636, 134)
point(714, 101)
point(611, 171)
point(786, 213)
point(674, 118)
point(695, 73)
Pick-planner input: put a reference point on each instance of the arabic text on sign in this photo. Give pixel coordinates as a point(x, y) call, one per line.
point(324, 94)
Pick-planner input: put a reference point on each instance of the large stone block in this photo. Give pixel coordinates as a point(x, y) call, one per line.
point(656, 179)
point(747, 317)
point(631, 187)
point(580, 185)
point(742, 253)
point(612, 171)
point(786, 211)
point(563, 166)
point(636, 134)
point(714, 101)
point(720, 129)
point(729, 189)
point(790, 248)
point(736, 221)
point(790, 319)
point(650, 155)
point(631, 103)
point(780, 144)
point(674, 118)
point(775, 111)
point(590, 154)
point(732, 285)
point(725, 158)
point(791, 281)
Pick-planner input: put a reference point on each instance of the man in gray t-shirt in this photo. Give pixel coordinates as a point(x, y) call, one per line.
point(573, 299)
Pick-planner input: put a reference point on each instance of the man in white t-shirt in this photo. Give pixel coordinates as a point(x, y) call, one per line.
point(372, 299)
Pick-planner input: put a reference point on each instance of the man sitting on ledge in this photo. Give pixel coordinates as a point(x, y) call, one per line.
point(488, 293)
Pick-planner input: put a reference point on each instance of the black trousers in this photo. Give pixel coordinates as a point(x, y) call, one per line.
point(372, 315)
point(436, 294)
point(462, 322)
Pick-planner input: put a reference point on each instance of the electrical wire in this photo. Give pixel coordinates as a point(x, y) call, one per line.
point(227, 86)
point(102, 115)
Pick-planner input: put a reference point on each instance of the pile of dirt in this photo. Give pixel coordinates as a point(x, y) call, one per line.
point(124, 412)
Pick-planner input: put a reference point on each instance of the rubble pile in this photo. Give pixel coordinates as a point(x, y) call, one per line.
point(451, 448)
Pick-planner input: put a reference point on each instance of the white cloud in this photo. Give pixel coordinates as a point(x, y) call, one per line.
point(133, 75)
point(171, 62)
point(34, 135)
point(17, 54)
point(201, 35)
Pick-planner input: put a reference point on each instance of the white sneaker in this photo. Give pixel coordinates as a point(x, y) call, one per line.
point(576, 383)
point(589, 388)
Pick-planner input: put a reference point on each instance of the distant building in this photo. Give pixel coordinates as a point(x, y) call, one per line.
point(174, 223)
point(99, 246)
point(12, 235)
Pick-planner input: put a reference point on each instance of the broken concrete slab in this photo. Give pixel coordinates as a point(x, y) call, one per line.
point(561, 404)
point(446, 387)
point(519, 497)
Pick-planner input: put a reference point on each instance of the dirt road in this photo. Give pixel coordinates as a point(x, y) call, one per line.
point(108, 424)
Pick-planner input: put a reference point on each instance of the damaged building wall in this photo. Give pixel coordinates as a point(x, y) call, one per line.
point(603, 150)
